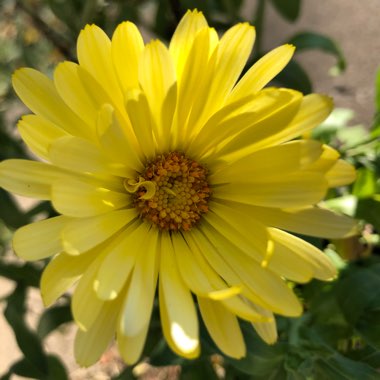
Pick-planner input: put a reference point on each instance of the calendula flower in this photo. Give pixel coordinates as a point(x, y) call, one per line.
point(170, 172)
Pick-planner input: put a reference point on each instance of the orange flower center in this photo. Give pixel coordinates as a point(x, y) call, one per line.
point(181, 192)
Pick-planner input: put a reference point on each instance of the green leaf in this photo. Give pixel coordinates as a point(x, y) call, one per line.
point(26, 369)
point(338, 367)
point(67, 12)
point(356, 292)
point(352, 136)
point(309, 40)
point(294, 76)
point(56, 370)
point(261, 359)
point(346, 204)
point(369, 210)
point(52, 318)
point(10, 213)
point(369, 326)
point(289, 9)
point(365, 184)
point(200, 370)
point(27, 274)
point(377, 90)
point(27, 340)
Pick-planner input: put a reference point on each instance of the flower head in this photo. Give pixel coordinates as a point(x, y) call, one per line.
point(170, 172)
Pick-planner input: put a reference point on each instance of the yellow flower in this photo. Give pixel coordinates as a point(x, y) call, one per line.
point(170, 172)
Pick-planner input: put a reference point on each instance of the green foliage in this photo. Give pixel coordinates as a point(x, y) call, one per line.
point(338, 337)
point(288, 9)
point(308, 40)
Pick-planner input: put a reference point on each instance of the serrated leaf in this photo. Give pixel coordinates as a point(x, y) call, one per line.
point(289, 9)
point(310, 40)
point(52, 318)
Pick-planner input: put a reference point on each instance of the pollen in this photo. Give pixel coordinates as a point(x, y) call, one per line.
point(181, 196)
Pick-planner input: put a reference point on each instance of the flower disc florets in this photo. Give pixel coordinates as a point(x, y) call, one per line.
point(181, 196)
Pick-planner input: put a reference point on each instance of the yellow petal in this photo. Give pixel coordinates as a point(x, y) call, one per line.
point(262, 72)
point(233, 51)
point(313, 110)
point(210, 263)
point(194, 82)
point(77, 154)
point(38, 133)
point(82, 199)
point(83, 234)
point(70, 88)
point(223, 328)
point(138, 304)
point(127, 46)
point(61, 273)
point(270, 163)
point(311, 221)
point(41, 239)
point(326, 161)
point(287, 263)
point(85, 304)
point(184, 36)
point(222, 125)
point(321, 265)
point(197, 274)
point(89, 345)
point(142, 121)
point(275, 109)
point(118, 263)
point(131, 347)
point(252, 239)
point(267, 331)
point(115, 141)
point(178, 313)
point(271, 291)
point(29, 178)
point(295, 190)
point(94, 55)
point(342, 173)
point(171, 331)
point(39, 94)
point(157, 77)
point(253, 236)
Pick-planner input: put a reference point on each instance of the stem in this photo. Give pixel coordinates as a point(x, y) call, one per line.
point(259, 24)
point(45, 29)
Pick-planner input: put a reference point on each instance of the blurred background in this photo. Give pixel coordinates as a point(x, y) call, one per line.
point(338, 53)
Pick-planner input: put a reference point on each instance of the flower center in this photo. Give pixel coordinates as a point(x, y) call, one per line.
point(181, 192)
